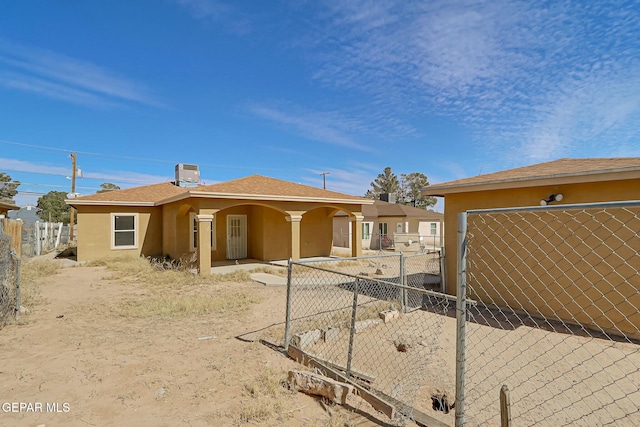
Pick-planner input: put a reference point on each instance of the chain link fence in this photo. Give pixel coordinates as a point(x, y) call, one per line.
point(556, 316)
point(9, 279)
point(378, 321)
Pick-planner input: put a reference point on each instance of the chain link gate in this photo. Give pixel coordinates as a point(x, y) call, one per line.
point(362, 318)
point(557, 315)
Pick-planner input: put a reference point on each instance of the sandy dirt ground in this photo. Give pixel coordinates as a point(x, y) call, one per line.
point(85, 365)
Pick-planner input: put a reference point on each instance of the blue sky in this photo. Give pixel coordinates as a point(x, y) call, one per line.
point(293, 89)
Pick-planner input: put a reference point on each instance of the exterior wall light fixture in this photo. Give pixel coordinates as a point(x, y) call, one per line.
point(551, 198)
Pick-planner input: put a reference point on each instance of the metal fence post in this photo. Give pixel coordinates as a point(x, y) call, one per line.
point(443, 271)
point(352, 331)
point(287, 330)
point(461, 314)
point(403, 282)
point(17, 260)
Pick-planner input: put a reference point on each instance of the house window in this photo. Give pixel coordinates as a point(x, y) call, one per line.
point(124, 231)
point(382, 227)
point(366, 230)
point(193, 235)
point(434, 228)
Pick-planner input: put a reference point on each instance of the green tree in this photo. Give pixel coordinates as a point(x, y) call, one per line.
point(411, 190)
point(386, 182)
point(8, 187)
point(53, 208)
point(107, 186)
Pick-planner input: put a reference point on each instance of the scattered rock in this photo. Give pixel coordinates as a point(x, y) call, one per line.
point(330, 334)
point(161, 393)
point(403, 347)
point(306, 339)
point(404, 343)
point(318, 385)
point(379, 272)
point(388, 315)
point(23, 310)
point(59, 316)
point(364, 324)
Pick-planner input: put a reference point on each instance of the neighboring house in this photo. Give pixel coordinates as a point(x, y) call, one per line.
point(568, 274)
point(27, 214)
point(253, 217)
point(6, 206)
point(383, 219)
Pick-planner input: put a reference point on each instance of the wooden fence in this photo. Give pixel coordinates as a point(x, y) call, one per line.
point(14, 229)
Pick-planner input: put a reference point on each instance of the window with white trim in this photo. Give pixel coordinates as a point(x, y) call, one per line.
point(124, 233)
point(434, 228)
point(382, 227)
point(193, 235)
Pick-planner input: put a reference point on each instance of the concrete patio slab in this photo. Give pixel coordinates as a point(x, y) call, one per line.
point(269, 279)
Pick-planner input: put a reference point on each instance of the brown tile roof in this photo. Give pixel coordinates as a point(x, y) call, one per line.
point(8, 205)
point(380, 209)
point(574, 170)
point(146, 194)
point(254, 185)
point(265, 186)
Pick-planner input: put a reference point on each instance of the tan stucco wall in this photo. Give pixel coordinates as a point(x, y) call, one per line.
point(578, 265)
point(518, 197)
point(316, 233)
point(94, 233)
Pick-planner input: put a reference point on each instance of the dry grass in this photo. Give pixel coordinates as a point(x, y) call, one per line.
point(32, 274)
point(268, 399)
point(173, 306)
point(270, 270)
point(141, 270)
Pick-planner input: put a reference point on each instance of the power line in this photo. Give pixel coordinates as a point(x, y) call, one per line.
point(47, 185)
point(137, 159)
point(136, 181)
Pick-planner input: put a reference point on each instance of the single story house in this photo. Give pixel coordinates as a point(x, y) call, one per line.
point(27, 214)
point(537, 283)
point(382, 220)
point(6, 206)
point(252, 217)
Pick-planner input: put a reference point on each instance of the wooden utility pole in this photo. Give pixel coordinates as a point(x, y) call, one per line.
point(73, 192)
point(324, 179)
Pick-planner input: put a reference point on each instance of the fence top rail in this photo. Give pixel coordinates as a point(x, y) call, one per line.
point(334, 259)
point(423, 253)
point(384, 282)
point(595, 205)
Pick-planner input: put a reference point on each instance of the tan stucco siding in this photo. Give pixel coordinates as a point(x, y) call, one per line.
point(519, 197)
point(95, 232)
point(578, 265)
point(277, 236)
point(316, 232)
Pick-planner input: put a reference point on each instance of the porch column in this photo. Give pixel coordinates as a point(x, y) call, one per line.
point(205, 223)
point(295, 235)
point(356, 235)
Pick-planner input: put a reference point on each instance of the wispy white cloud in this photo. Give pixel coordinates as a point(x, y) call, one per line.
point(62, 77)
point(352, 181)
point(531, 81)
point(218, 12)
point(325, 127)
point(122, 178)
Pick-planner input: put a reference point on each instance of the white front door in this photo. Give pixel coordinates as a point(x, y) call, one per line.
point(400, 227)
point(236, 236)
